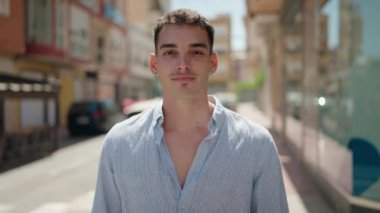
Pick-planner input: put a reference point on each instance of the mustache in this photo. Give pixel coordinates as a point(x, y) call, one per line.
point(176, 75)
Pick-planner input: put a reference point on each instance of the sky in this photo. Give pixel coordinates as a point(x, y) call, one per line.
point(211, 8)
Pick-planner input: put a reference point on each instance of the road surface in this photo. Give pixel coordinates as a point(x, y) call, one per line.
point(60, 183)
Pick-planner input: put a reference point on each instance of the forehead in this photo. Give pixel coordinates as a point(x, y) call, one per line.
point(182, 34)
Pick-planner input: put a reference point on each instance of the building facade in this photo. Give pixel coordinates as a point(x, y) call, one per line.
point(52, 53)
point(81, 44)
point(263, 46)
point(141, 17)
point(140, 82)
point(223, 79)
point(28, 100)
point(327, 61)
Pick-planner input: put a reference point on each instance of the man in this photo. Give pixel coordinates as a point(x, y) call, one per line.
point(188, 154)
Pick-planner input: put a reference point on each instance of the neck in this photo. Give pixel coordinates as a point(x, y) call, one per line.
point(186, 115)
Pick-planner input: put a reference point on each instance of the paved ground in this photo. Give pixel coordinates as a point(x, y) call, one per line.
point(301, 192)
point(62, 182)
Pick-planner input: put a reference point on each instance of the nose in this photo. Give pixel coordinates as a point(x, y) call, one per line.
point(183, 64)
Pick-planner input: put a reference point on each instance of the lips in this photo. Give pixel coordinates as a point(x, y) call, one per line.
point(183, 78)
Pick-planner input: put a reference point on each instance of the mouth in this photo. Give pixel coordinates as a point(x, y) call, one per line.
point(183, 79)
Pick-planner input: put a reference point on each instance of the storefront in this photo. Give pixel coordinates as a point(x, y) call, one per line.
point(332, 66)
point(29, 119)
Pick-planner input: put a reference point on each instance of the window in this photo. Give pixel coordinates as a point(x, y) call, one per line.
point(80, 29)
point(117, 48)
point(39, 21)
point(91, 4)
point(5, 7)
point(349, 112)
point(100, 50)
point(60, 24)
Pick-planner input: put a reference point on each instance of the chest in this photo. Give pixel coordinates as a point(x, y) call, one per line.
point(182, 149)
point(148, 174)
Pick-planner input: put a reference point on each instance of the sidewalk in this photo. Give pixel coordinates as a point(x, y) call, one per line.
point(301, 193)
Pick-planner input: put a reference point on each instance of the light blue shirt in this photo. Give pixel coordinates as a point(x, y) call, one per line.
point(236, 169)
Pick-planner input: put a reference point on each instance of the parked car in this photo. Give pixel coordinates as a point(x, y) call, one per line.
point(126, 103)
point(93, 117)
point(139, 106)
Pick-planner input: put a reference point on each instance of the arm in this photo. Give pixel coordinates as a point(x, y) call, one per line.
point(107, 197)
point(268, 191)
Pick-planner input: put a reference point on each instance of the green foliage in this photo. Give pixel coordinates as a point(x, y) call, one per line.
point(254, 83)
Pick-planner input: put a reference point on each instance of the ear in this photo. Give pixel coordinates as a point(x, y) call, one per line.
point(153, 64)
point(214, 62)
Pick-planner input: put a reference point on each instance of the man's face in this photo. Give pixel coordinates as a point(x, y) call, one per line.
point(182, 61)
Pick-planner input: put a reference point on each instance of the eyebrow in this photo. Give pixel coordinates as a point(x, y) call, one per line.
point(201, 45)
point(171, 45)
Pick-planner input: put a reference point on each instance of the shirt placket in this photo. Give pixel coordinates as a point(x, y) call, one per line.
point(168, 162)
point(194, 172)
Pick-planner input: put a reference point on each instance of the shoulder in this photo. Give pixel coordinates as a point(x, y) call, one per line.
point(130, 130)
point(242, 126)
point(247, 134)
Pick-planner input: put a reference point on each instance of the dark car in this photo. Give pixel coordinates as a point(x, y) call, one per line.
point(93, 117)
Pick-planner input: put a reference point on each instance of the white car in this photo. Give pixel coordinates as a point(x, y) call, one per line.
point(227, 99)
point(140, 106)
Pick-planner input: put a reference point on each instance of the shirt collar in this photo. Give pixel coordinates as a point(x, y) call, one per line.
point(216, 121)
point(158, 115)
point(218, 113)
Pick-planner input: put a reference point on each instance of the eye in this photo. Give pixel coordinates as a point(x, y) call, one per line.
point(197, 52)
point(170, 53)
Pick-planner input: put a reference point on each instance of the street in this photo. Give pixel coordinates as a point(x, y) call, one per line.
point(64, 182)
point(61, 182)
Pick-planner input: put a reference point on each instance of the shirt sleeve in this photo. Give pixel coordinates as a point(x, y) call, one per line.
point(107, 197)
point(268, 191)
